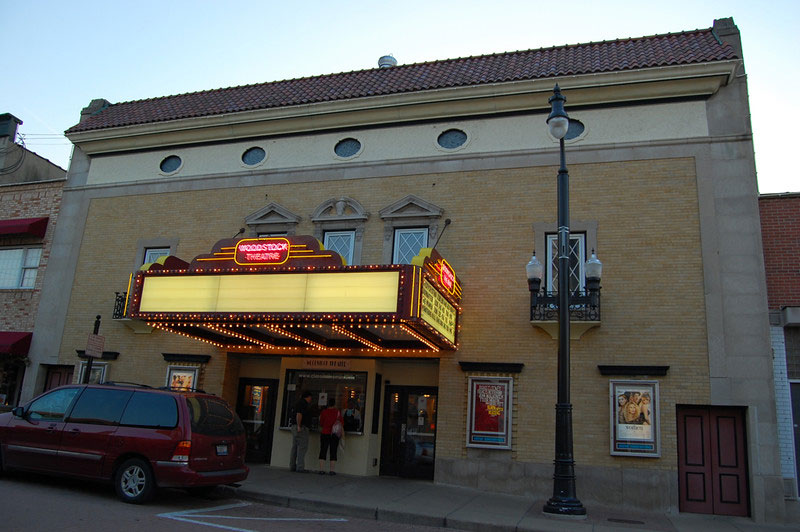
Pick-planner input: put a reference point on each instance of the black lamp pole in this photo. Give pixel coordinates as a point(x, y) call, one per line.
point(564, 500)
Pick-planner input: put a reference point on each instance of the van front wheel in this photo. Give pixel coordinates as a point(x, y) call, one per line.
point(134, 481)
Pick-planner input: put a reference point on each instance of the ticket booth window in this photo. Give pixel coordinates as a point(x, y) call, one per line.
point(348, 388)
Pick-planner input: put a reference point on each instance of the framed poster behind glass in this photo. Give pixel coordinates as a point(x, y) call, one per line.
point(489, 415)
point(635, 427)
point(97, 374)
point(182, 378)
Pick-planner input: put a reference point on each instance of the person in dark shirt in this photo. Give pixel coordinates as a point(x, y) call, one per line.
point(301, 426)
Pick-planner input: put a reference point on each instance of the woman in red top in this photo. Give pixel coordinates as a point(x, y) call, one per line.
point(327, 438)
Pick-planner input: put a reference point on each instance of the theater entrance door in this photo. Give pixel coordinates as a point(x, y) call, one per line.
point(408, 442)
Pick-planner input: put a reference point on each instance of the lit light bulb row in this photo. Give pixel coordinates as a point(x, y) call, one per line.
point(226, 330)
point(437, 333)
point(323, 324)
point(357, 338)
point(267, 346)
point(293, 336)
point(181, 333)
point(247, 319)
point(273, 268)
point(419, 337)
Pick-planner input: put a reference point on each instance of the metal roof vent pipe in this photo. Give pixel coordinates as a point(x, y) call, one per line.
point(387, 61)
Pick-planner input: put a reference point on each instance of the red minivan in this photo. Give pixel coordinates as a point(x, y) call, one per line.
point(138, 437)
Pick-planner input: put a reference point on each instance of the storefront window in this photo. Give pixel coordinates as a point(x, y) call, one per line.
point(349, 389)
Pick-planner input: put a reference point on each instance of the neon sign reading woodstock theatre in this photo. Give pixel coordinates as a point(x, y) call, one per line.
point(261, 251)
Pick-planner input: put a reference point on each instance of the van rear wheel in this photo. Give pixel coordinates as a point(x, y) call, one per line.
point(134, 481)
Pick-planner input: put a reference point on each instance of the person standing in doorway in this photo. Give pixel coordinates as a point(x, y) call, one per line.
point(300, 430)
point(330, 429)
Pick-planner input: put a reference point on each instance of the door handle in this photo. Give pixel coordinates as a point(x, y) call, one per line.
point(403, 433)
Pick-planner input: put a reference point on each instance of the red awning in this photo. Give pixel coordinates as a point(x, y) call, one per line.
point(24, 226)
point(15, 343)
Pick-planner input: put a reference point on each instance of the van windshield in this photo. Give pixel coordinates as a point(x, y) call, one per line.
point(212, 416)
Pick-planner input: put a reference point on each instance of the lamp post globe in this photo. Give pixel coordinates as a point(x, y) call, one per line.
point(535, 272)
point(593, 267)
point(558, 121)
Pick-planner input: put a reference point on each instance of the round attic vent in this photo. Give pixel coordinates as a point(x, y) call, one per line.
point(387, 61)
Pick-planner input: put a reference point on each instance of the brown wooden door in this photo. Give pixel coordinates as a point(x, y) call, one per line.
point(58, 376)
point(712, 460)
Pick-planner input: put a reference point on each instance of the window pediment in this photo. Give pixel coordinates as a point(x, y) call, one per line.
point(271, 219)
point(336, 209)
point(411, 207)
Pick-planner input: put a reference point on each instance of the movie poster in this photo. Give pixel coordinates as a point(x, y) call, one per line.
point(182, 379)
point(634, 418)
point(489, 423)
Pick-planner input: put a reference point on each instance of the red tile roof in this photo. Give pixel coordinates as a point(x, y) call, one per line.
point(691, 47)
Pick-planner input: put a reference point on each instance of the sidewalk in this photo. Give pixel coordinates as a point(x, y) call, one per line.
point(425, 503)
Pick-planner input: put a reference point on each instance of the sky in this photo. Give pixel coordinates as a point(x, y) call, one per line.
point(58, 55)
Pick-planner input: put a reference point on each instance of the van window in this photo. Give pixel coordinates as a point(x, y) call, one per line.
point(155, 410)
point(213, 417)
point(53, 406)
point(100, 407)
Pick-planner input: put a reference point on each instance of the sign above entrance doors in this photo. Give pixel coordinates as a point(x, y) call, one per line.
point(261, 251)
point(288, 295)
point(299, 251)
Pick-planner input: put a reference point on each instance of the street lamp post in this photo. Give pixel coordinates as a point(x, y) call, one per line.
point(564, 500)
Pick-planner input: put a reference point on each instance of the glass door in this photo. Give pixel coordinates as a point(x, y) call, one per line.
point(408, 443)
point(256, 408)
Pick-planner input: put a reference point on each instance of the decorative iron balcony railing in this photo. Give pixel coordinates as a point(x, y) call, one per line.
point(584, 305)
point(119, 305)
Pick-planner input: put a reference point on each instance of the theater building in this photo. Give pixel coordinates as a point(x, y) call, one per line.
point(364, 235)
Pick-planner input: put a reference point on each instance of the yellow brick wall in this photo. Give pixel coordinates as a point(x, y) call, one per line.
point(652, 302)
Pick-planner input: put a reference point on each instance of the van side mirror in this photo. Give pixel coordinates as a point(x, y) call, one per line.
point(18, 411)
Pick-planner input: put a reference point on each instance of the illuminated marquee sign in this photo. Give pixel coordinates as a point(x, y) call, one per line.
point(438, 312)
point(447, 276)
point(257, 251)
point(289, 294)
point(433, 263)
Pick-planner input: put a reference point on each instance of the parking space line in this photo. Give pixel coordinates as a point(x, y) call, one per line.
point(193, 516)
